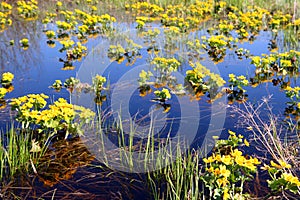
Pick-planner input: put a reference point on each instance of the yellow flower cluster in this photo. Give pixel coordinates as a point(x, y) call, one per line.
point(83, 28)
point(100, 79)
point(144, 74)
point(60, 109)
point(200, 71)
point(194, 45)
point(242, 33)
point(253, 19)
point(195, 76)
point(291, 179)
point(91, 20)
point(178, 22)
point(28, 102)
point(57, 85)
point(235, 158)
point(295, 23)
point(59, 4)
point(151, 34)
point(49, 17)
point(50, 34)
point(281, 63)
point(281, 164)
point(145, 8)
point(181, 16)
point(278, 19)
point(172, 31)
point(238, 82)
point(142, 20)
point(5, 11)
point(227, 169)
point(280, 178)
point(106, 18)
point(64, 25)
point(199, 9)
point(166, 64)
point(144, 77)
point(225, 26)
point(7, 77)
point(164, 94)
point(5, 7)
point(24, 43)
point(116, 51)
point(67, 44)
point(286, 63)
point(218, 41)
point(77, 51)
point(98, 82)
point(3, 92)
point(294, 90)
point(30, 111)
point(293, 108)
point(68, 15)
point(6, 81)
point(28, 9)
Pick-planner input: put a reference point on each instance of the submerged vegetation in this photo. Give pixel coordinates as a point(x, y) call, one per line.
point(176, 41)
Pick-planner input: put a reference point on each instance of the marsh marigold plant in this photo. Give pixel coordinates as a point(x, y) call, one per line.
point(227, 169)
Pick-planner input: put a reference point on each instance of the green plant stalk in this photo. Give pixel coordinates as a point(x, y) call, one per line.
point(2, 157)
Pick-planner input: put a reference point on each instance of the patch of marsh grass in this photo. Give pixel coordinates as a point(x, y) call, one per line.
point(19, 152)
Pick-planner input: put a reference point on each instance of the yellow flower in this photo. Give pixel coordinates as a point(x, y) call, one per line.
point(255, 161)
point(239, 160)
point(167, 93)
point(284, 164)
point(217, 157)
point(3, 92)
point(50, 34)
point(290, 178)
point(286, 63)
point(24, 42)
point(231, 132)
point(241, 77)
point(223, 171)
point(249, 164)
point(226, 194)
point(256, 60)
point(226, 159)
point(273, 164)
point(222, 182)
point(210, 170)
point(217, 172)
point(289, 88)
point(281, 164)
point(6, 5)
point(208, 160)
point(236, 153)
point(7, 77)
point(58, 4)
point(67, 44)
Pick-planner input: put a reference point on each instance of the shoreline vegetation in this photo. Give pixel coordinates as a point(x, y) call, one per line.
point(43, 145)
